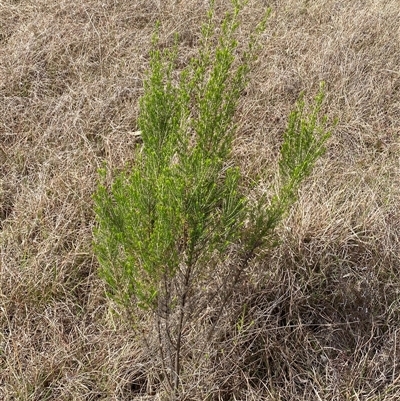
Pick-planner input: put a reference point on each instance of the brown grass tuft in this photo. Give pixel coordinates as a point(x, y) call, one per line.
point(318, 317)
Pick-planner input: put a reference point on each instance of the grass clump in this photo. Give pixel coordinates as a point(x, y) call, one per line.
point(180, 211)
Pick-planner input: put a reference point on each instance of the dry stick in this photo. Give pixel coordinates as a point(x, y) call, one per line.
point(180, 329)
point(166, 311)
point(160, 337)
point(162, 352)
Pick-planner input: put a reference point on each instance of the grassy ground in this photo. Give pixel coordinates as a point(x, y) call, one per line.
point(322, 310)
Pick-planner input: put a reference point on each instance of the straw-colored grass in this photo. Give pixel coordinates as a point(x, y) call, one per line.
point(318, 317)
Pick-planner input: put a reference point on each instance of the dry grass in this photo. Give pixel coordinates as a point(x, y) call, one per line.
point(317, 319)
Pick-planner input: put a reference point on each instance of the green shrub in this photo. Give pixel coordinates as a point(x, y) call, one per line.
point(165, 222)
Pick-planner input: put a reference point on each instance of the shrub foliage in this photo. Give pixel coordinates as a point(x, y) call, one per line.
point(168, 220)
